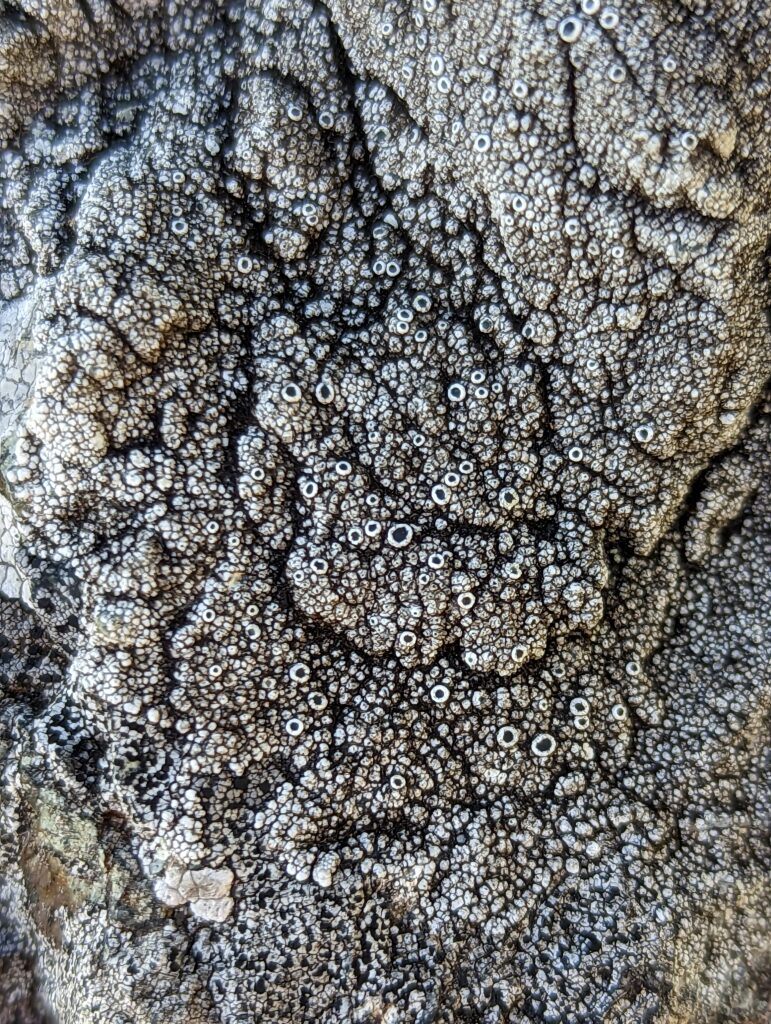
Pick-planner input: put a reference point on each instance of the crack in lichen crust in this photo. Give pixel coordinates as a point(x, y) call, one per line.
point(386, 480)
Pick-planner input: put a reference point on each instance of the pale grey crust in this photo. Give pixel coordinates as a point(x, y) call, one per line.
point(385, 513)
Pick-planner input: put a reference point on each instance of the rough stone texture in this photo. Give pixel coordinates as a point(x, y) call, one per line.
point(386, 512)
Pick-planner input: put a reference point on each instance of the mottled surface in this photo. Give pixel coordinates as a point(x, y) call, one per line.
point(386, 512)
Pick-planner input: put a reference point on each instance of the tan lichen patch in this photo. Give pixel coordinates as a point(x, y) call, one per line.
point(61, 861)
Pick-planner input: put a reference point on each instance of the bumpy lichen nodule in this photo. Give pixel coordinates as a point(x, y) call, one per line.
point(385, 503)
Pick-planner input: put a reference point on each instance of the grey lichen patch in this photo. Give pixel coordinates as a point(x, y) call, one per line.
point(727, 492)
point(388, 494)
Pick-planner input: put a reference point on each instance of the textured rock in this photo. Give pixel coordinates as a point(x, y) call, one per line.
point(386, 509)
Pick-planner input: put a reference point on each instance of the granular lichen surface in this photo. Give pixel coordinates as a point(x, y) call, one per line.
point(385, 564)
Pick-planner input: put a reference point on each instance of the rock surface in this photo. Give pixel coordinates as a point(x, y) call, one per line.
point(386, 512)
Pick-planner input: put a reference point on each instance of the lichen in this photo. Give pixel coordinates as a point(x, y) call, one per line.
point(387, 509)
